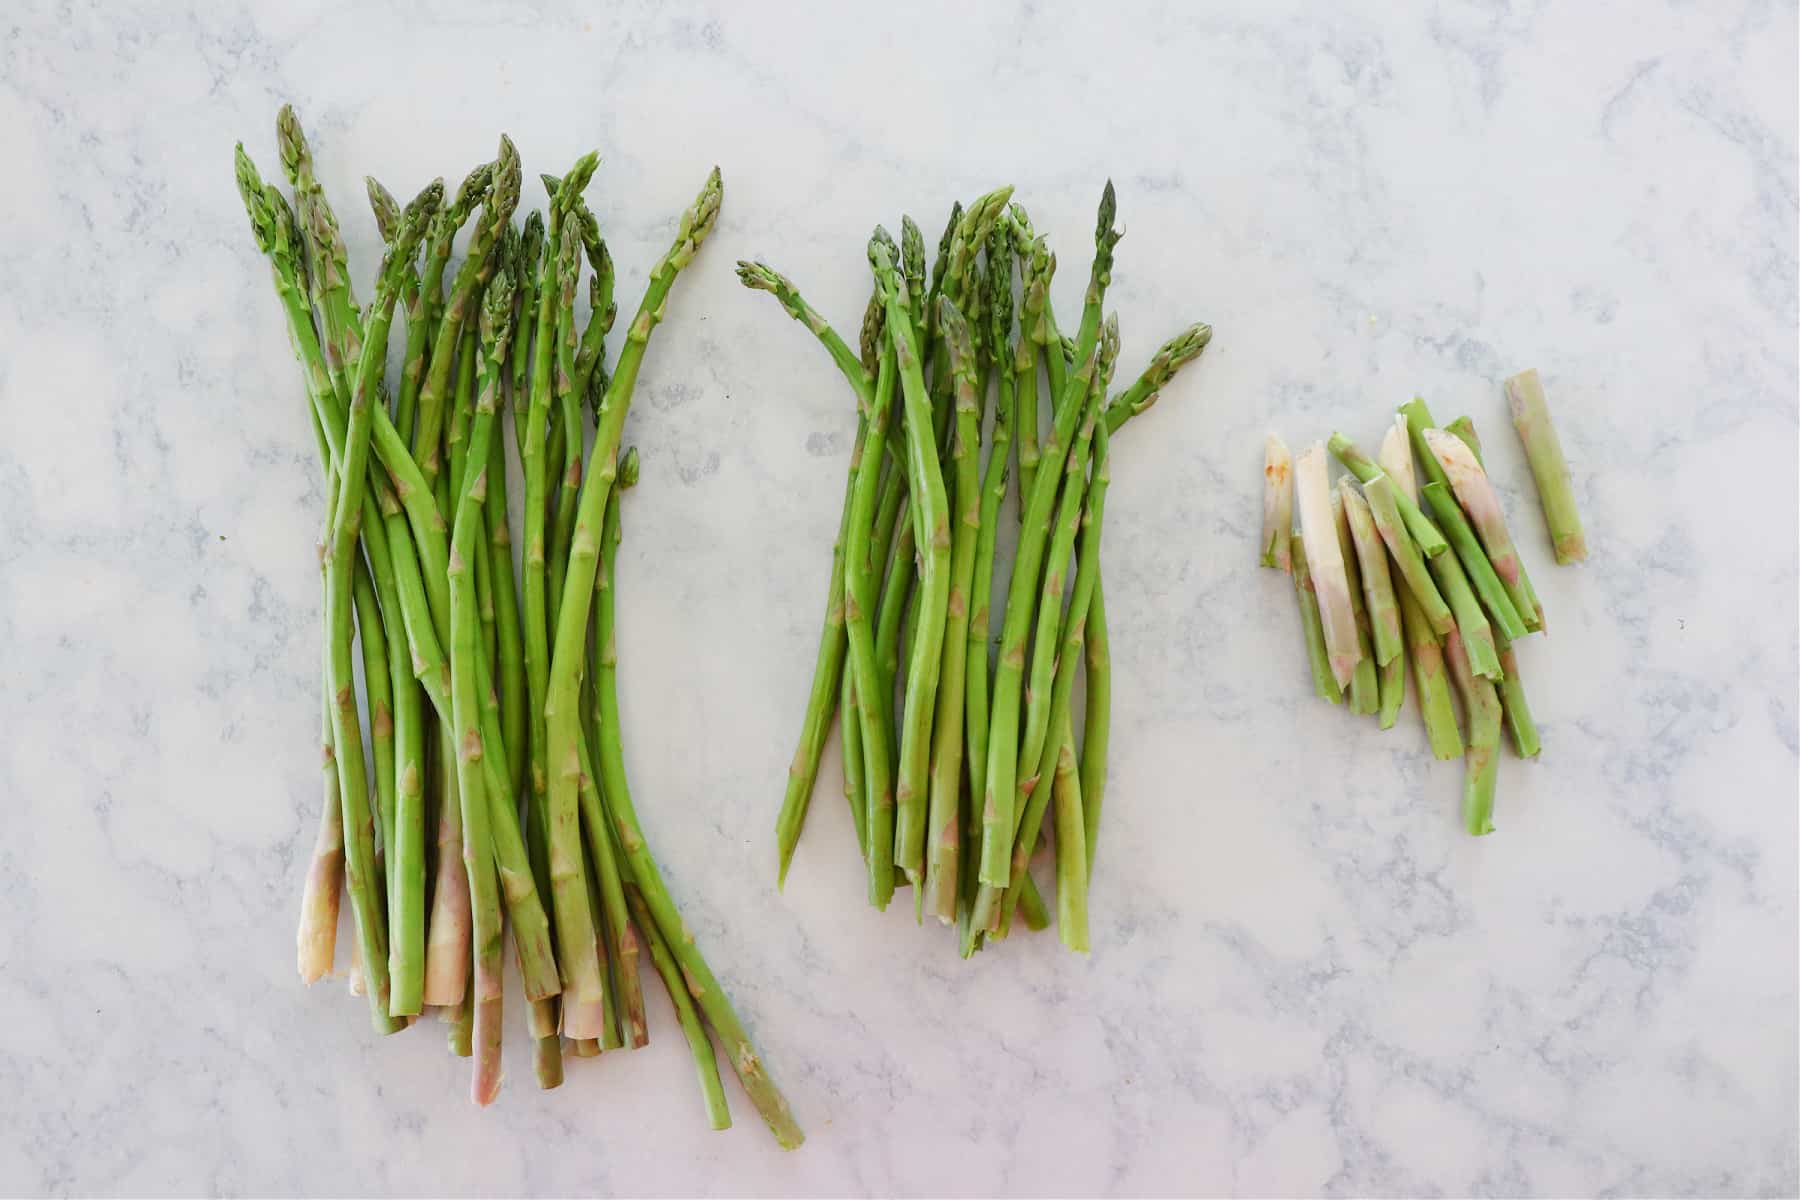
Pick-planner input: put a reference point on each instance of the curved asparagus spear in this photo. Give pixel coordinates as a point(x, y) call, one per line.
point(1430, 540)
point(574, 921)
point(1325, 563)
point(1169, 358)
point(763, 278)
point(944, 831)
point(1278, 503)
point(1549, 469)
point(931, 519)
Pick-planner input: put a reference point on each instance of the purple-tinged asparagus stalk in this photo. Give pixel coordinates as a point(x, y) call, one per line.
point(1543, 450)
point(1475, 493)
point(1429, 678)
point(1325, 561)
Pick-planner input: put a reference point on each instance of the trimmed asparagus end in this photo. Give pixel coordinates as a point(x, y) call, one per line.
point(1278, 503)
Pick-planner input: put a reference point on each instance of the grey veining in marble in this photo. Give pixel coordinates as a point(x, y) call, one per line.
point(1305, 979)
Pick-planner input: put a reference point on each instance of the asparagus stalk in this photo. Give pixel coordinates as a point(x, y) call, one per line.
point(478, 841)
point(1325, 564)
point(530, 258)
point(1418, 419)
point(1096, 726)
point(379, 696)
point(574, 922)
point(1433, 685)
point(1011, 374)
point(1036, 265)
point(1384, 506)
point(1550, 470)
point(1517, 709)
point(1169, 358)
point(1476, 495)
point(999, 814)
point(1464, 430)
point(828, 668)
point(856, 567)
point(510, 645)
point(945, 832)
point(1482, 762)
point(706, 1066)
point(931, 520)
point(1278, 503)
point(1431, 541)
point(1365, 688)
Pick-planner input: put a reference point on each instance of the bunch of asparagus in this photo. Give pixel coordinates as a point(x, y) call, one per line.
point(953, 757)
point(484, 686)
point(1380, 582)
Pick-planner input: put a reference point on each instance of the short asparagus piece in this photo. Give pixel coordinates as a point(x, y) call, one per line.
point(1476, 495)
point(1430, 541)
point(1418, 419)
point(1325, 563)
point(1480, 571)
point(1278, 503)
point(1543, 450)
point(1384, 507)
point(1478, 636)
point(1519, 722)
point(1464, 429)
point(1372, 566)
point(1365, 687)
point(1429, 679)
point(1325, 683)
point(1483, 759)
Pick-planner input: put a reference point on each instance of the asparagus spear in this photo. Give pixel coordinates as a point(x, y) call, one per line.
point(931, 519)
point(1021, 366)
point(1418, 419)
point(1430, 541)
point(1096, 726)
point(1035, 267)
point(706, 1066)
point(828, 669)
point(999, 814)
point(1325, 563)
point(1482, 762)
point(1384, 506)
point(478, 843)
point(945, 832)
point(510, 646)
point(1278, 502)
point(1433, 686)
point(530, 262)
point(1365, 688)
point(856, 566)
point(1169, 358)
point(1464, 429)
point(365, 898)
point(1550, 470)
point(1476, 495)
point(574, 922)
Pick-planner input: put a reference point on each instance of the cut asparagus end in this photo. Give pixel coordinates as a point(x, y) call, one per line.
point(1475, 493)
point(1395, 457)
point(1550, 470)
point(1325, 559)
point(1278, 503)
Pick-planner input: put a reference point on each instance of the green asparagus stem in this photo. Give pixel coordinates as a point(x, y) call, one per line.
point(931, 519)
point(857, 569)
point(1385, 508)
point(365, 895)
point(855, 782)
point(1365, 688)
point(1430, 541)
point(999, 813)
point(1550, 470)
point(379, 694)
point(1480, 571)
point(530, 260)
point(1519, 723)
point(1010, 369)
point(1071, 634)
point(1097, 725)
point(1326, 565)
point(1372, 567)
point(446, 320)
point(1035, 267)
point(1464, 430)
point(706, 1065)
point(1418, 419)
point(574, 921)
point(478, 841)
point(1432, 684)
point(510, 644)
point(1477, 497)
point(828, 669)
point(1478, 636)
point(628, 989)
point(1278, 503)
point(1483, 760)
point(1325, 683)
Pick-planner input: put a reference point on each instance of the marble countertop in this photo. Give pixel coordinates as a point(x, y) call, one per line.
point(1305, 979)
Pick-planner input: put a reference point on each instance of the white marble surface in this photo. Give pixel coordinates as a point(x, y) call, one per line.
point(1305, 979)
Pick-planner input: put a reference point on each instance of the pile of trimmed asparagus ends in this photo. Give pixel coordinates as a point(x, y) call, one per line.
point(957, 747)
point(485, 689)
point(1390, 573)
